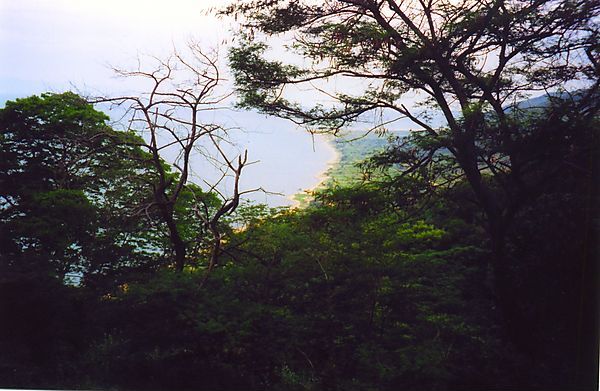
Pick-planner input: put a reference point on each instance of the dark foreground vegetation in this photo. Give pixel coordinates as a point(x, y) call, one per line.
point(370, 287)
point(464, 257)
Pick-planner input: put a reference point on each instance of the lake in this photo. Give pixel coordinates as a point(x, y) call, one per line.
point(287, 159)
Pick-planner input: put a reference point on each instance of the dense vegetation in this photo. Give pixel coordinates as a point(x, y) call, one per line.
point(369, 287)
point(463, 256)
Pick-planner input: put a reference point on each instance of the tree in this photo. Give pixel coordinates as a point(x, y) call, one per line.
point(473, 63)
point(310, 299)
point(68, 184)
point(170, 117)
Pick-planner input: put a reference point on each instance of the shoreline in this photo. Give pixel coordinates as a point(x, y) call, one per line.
point(324, 175)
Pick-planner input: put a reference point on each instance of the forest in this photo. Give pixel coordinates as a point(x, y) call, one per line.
point(462, 255)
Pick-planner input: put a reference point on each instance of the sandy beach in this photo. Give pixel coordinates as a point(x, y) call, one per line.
point(328, 143)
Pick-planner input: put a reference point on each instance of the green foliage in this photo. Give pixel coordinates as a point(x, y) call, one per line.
point(356, 288)
point(76, 194)
point(43, 331)
point(260, 76)
point(383, 282)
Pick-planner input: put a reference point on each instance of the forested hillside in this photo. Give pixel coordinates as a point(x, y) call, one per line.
point(455, 257)
point(371, 286)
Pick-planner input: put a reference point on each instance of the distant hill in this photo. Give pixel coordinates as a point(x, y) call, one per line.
point(355, 147)
point(543, 101)
point(537, 102)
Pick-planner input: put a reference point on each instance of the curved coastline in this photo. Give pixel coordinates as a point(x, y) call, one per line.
point(321, 177)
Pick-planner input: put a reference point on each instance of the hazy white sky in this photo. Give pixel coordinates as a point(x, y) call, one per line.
point(58, 45)
point(47, 44)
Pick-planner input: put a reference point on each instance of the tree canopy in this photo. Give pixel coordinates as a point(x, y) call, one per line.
point(473, 62)
point(472, 66)
point(461, 257)
point(69, 183)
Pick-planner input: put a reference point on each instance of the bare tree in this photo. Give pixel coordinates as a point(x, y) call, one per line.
point(171, 117)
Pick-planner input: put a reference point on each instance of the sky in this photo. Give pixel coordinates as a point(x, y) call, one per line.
point(59, 45)
point(51, 44)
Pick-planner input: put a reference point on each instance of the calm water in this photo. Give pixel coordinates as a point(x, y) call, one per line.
point(288, 160)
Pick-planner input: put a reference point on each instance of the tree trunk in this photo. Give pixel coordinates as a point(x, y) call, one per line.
point(506, 294)
point(502, 282)
point(177, 243)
